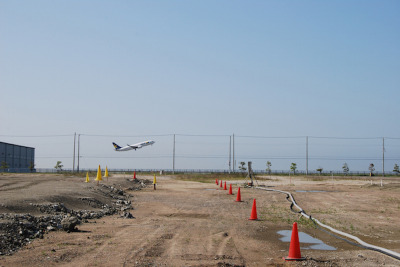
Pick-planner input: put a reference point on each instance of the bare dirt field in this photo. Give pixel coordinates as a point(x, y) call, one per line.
point(187, 223)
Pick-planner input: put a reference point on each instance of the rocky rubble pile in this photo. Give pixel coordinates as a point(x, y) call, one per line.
point(16, 230)
point(139, 184)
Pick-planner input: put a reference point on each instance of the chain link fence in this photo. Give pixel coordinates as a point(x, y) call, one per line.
point(216, 153)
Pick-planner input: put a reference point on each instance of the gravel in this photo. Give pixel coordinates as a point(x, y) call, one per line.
point(17, 230)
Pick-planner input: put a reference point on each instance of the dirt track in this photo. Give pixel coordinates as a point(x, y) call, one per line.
point(185, 223)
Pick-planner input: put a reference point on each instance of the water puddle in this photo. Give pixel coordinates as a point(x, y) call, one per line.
point(305, 240)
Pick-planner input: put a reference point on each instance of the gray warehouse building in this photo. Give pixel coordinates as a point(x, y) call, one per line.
point(17, 158)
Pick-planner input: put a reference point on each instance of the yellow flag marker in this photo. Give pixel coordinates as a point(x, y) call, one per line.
point(98, 178)
point(87, 177)
point(154, 182)
point(106, 173)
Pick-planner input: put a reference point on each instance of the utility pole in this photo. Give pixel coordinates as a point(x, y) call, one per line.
point(250, 172)
point(73, 161)
point(79, 146)
point(173, 157)
point(306, 155)
point(383, 156)
point(230, 148)
point(233, 152)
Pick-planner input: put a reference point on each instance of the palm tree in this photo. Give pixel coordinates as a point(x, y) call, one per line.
point(58, 166)
point(242, 166)
point(396, 169)
point(269, 167)
point(345, 168)
point(293, 167)
point(371, 169)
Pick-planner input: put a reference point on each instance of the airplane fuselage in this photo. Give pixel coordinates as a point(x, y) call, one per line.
point(134, 146)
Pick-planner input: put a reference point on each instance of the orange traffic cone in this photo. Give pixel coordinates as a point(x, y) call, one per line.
point(238, 198)
point(225, 186)
point(230, 189)
point(253, 215)
point(220, 184)
point(216, 181)
point(134, 176)
point(294, 249)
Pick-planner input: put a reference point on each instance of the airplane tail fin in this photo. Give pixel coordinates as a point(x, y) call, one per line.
point(116, 146)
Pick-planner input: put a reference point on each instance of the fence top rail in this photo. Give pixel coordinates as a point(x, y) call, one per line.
point(283, 172)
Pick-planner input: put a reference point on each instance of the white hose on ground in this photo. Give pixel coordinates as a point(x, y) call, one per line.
point(366, 245)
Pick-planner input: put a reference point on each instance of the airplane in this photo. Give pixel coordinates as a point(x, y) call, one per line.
point(135, 146)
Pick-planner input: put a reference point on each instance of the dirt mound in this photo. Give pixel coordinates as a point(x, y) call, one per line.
point(17, 230)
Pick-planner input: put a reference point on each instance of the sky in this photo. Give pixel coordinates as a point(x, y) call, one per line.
point(128, 71)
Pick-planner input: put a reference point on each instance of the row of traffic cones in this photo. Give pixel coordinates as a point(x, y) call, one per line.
point(294, 249)
point(238, 198)
point(98, 176)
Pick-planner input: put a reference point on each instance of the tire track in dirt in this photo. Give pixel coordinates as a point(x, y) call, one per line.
point(25, 186)
point(184, 249)
point(192, 234)
point(227, 250)
point(148, 246)
point(222, 247)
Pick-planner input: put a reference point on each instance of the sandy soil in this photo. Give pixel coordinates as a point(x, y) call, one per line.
point(185, 223)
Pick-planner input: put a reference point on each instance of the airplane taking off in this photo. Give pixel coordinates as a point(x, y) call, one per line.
point(135, 146)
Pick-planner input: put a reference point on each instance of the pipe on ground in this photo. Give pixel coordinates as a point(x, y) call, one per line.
point(356, 239)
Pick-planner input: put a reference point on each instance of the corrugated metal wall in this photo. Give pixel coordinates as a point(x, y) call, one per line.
point(17, 158)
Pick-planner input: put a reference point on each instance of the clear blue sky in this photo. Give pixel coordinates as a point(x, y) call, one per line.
point(264, 68)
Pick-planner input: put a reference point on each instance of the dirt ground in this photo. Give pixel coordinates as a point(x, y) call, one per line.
point(186, 223)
